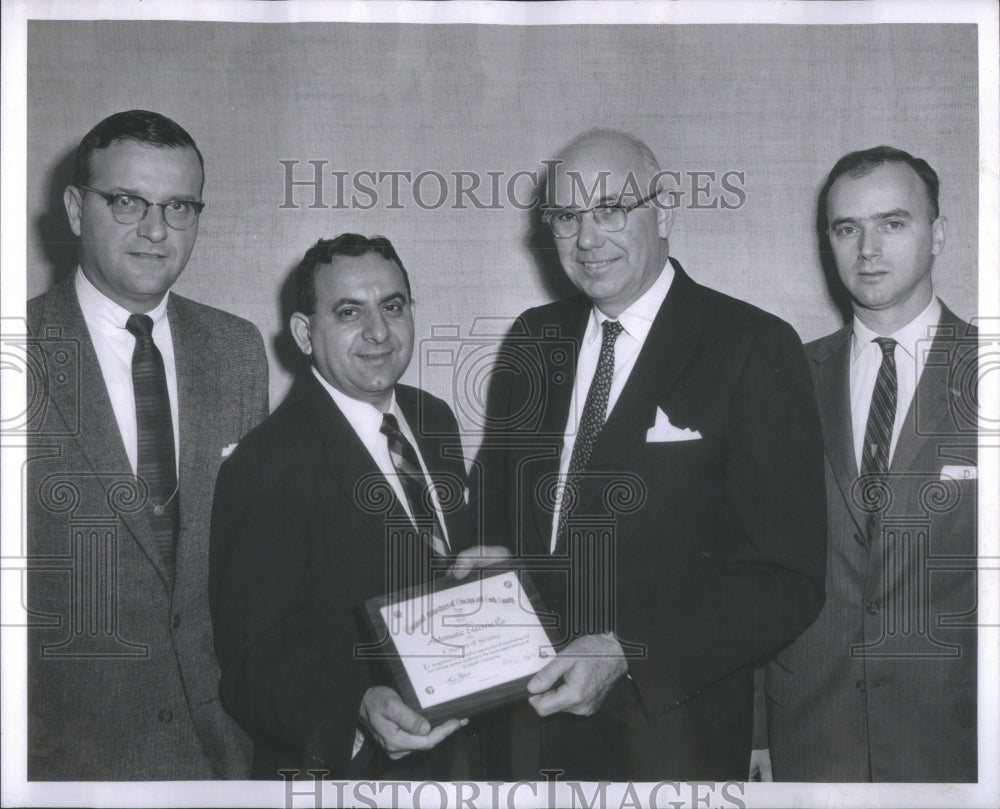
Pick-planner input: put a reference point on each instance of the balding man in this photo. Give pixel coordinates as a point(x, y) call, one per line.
point(699, 409)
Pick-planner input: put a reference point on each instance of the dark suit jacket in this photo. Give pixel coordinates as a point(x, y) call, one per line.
point(122, 675)
point(883, 685)
point(714, 550)
point(298, 541)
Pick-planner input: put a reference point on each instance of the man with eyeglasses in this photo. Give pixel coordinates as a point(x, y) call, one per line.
point(688, 536)
point(138, 394)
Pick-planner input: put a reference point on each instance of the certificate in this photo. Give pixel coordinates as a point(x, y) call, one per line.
point(456, 648)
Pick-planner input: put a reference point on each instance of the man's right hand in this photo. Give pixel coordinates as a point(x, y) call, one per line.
point(397, 727)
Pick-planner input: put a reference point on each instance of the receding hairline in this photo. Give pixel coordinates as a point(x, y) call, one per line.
point(643, 155)
point(861, 172)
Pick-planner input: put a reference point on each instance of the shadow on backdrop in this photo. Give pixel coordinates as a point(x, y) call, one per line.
point(838, 292)
point(541, 245)
point(54, 238)
point(285, 349)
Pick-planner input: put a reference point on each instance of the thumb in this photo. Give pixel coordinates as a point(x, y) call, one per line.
point(548, 676)
point(410, 721)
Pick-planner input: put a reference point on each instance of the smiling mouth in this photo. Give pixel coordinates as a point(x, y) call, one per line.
point(376, 357)
point(597, 265)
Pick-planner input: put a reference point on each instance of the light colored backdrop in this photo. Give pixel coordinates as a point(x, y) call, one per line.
point(778, 103)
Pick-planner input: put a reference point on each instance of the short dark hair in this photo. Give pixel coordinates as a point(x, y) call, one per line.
point(141, 126)
point(351, 245)
point(857, 164)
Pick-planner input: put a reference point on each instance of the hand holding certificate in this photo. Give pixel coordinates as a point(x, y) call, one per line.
point(456, 647)
point(398, 728)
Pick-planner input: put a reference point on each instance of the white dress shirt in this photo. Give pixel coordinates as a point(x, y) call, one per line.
point(912, 344)
point(114, 346)
point(366, 420)
point(636, 321)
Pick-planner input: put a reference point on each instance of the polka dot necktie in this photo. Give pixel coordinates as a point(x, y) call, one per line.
point(595, 411)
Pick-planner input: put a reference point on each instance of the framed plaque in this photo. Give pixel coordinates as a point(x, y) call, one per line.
point(457, 648)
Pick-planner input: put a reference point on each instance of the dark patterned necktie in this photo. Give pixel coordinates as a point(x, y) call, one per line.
point(156, 466)
point(411, 476)
point(595, 411)
point(878, 433)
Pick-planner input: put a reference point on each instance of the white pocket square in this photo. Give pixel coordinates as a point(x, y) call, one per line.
point(958, 473)
point(228, 450)
point(663, 431)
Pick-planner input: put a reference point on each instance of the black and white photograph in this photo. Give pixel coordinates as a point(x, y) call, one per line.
point(500, 404)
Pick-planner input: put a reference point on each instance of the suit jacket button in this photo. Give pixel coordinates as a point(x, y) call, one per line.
point(166, 715)
point(860, 684)
point(177, 621)
point(872, 607)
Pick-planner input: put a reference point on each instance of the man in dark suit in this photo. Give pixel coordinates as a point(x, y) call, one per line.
point(688, 541)
point(138, 395)
point(314, 513)
point(882, 687)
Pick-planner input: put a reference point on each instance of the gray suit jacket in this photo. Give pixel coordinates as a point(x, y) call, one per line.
point(122, 675)
point(882, 686)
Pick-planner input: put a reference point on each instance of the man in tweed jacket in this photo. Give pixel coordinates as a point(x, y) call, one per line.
point(122, 676)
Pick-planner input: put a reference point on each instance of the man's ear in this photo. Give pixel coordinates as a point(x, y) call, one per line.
point(73, 202)
point(938, 227)
point(666, 204)
point(299, 324)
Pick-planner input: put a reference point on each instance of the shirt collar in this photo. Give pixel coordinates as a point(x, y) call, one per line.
point(638, 318)
point(104, 314)
point(365, 418)
point(910, 338)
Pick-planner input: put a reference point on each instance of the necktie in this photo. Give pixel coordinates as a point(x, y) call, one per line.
point(156, 466)
point(411, 476)
point(878, 432)
point(595, 411)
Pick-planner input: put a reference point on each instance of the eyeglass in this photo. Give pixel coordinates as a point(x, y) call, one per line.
point(128, 209)
point(566, 222)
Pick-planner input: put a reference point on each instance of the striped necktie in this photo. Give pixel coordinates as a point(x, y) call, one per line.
point(156, 466)
point(595, 411)
point(878, 433)
point(411, 476)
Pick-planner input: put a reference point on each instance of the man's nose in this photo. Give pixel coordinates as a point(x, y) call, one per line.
point(870, 243)
point(153, 226)
point(591, 235)
point(375, 328)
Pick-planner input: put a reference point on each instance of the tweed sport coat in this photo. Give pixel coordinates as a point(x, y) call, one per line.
point(122, 674)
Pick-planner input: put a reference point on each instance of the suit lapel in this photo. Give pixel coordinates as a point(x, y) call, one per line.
point(673, 337)
point(98, 436)
point(570, 324)
point(833, 393)
point(444, 460)
point(935, 399)
point(348, 460)
point(199, 406)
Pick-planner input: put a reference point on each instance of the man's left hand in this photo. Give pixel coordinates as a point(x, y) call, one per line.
point(587, 668)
